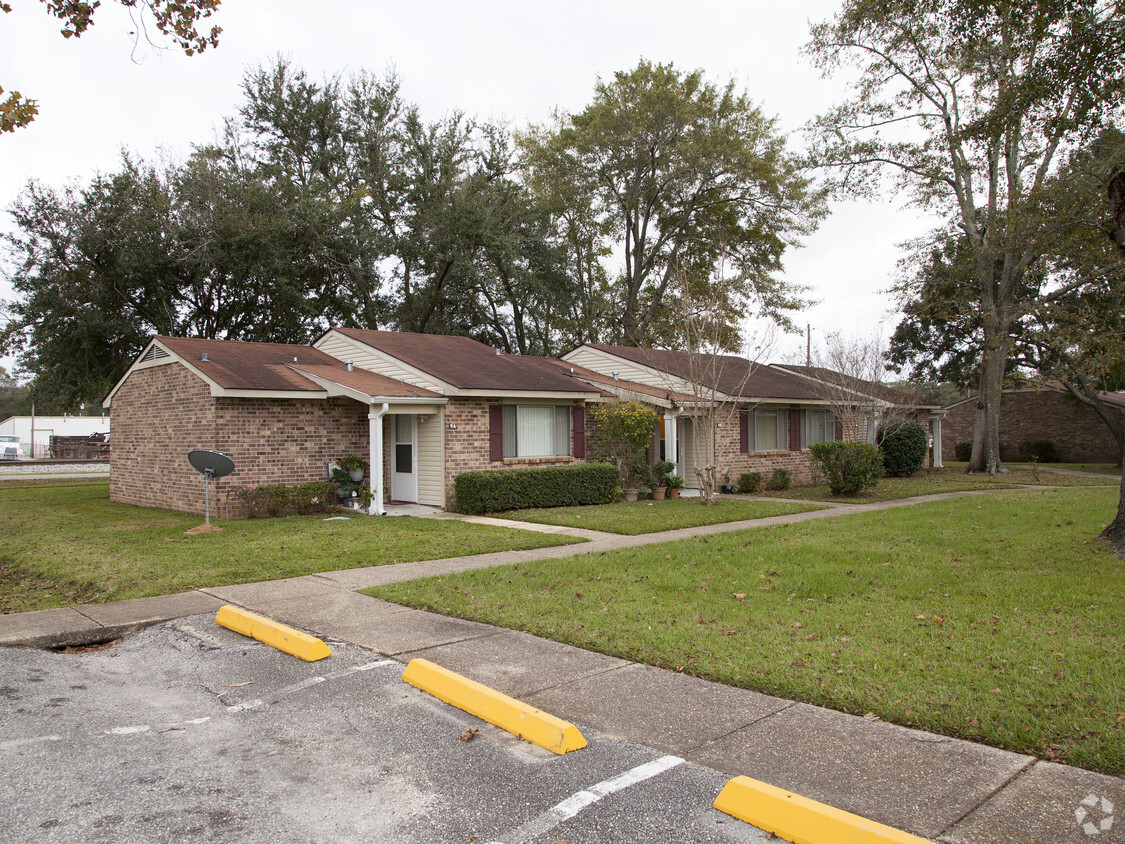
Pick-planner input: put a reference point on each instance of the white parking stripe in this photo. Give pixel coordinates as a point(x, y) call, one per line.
point(256, 703)
point(574, 804)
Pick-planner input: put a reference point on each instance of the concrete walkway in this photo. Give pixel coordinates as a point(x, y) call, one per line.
point(940, 788)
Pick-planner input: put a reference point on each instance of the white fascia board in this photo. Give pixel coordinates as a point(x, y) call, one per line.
point(218, 392)
point(431, 382)
point(526, 394)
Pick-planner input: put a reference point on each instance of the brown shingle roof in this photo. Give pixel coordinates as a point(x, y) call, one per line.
point(466, 363)
point(237, 365)
point(371, 383)
point(734, 376)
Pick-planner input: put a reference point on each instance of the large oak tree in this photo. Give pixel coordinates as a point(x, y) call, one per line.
point(971, 105)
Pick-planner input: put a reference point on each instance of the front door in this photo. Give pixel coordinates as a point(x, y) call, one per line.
point(404, 457)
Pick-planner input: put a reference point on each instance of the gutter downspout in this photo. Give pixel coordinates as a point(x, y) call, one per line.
point(375, 458)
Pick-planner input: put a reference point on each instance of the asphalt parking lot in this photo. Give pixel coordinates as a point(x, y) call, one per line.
point(187, 731)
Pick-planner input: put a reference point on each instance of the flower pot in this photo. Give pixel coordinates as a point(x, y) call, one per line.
point(356, 474)
point(658, 493)
point(674, 493)
point(631, 495)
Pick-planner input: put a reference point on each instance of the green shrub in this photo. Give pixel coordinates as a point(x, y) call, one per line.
point(963, 452)
point(904, 448)
point(1045, 451)
point(749, 482)
point(271, 500)
point(849, 467)
point(779, 480)
point(558, 486)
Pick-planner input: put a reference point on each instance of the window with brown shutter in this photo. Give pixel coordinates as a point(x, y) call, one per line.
point(578, 426)
point(495, 432)
point(744, 432)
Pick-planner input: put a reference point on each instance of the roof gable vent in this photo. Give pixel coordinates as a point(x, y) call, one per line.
point(154, 352)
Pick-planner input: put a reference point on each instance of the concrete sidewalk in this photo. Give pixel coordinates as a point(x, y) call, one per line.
point(941, 788)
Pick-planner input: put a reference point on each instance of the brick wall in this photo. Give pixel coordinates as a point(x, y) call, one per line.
point(162, 413)
point(287, 441)
point(466, 444)
point(799, 464)
point(159, 415)
point(1077, 430)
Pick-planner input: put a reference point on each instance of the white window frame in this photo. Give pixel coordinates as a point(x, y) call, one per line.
point(781, 420)
point(808, 435)
point(558, 431)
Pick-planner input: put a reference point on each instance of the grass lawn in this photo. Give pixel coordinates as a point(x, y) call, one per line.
point(932, 481)
point(998, 619)
point(652, 516)
point(64, 543)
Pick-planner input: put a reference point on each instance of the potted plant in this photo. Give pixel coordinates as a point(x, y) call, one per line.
point(638, 479)
point(675, 484)
point(660, 478)
point(354, 466)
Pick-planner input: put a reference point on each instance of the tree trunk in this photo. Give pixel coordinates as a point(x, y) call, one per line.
point(1115, 531)
point(986, 428)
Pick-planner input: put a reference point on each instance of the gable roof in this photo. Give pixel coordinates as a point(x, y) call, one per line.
point(466, 364)
point(610, 386)
point(238, 365)
point(736, 375)
point(839, 381)
point(287, 368)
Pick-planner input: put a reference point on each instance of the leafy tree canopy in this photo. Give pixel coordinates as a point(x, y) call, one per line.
point(676, 174)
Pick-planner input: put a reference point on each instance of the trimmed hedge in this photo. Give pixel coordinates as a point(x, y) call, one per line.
point(553, 486)
point(963, 452)
point(849, 467)
point(904, 448)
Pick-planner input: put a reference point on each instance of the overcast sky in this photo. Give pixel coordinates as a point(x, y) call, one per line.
point(499, 60)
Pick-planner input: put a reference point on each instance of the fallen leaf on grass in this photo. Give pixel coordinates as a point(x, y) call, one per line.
point(740, 596)
point(468, 734)
point(871, 716)
point(920, 617)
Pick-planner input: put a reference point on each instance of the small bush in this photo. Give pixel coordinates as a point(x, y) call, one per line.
point(779, 480)
point(749, 482)
point(904, 448)
point(1045, 451)
point(271, 500)
point(849, 467)
point(963, 452)
point(556, 486)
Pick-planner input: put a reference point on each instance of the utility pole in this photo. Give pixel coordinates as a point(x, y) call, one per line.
point(808, 344)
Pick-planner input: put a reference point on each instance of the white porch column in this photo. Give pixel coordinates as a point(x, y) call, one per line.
point(375, 458)
point(937, 443)
point(671, 438)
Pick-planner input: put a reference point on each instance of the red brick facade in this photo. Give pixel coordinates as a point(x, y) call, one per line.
point(467, 447)
point(1076, 430)
point(163, 412)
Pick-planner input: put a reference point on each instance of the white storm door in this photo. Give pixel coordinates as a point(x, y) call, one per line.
point(404, 457)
